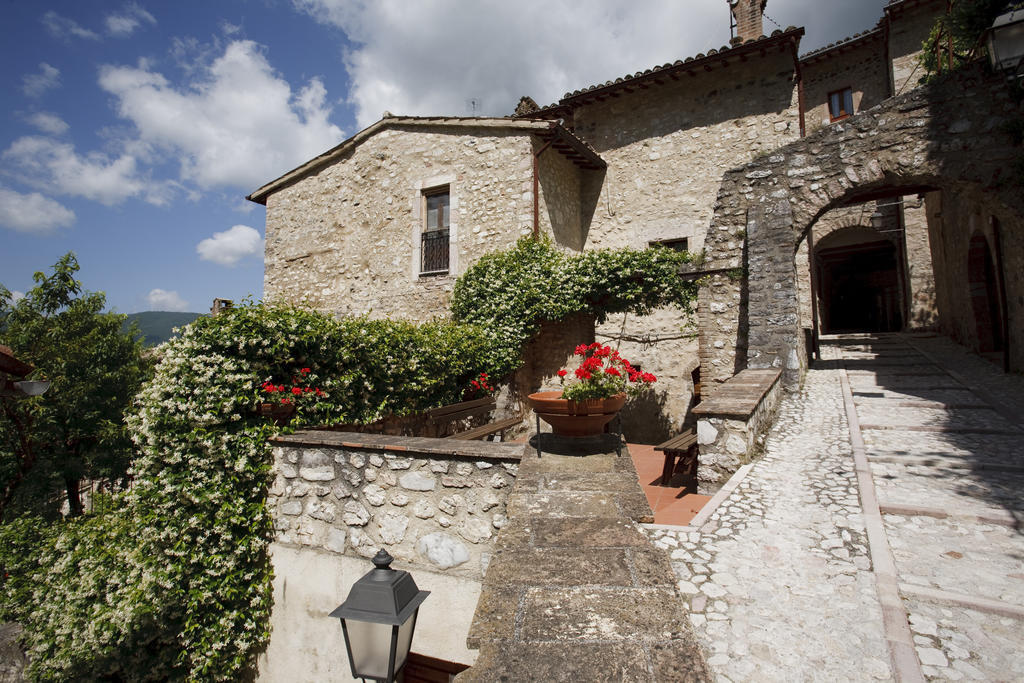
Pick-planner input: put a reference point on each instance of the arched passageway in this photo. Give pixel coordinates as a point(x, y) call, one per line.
point(858, 282)
point(946, 143)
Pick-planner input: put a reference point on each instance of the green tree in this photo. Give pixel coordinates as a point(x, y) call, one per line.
point(956, 36)
point(75, 431)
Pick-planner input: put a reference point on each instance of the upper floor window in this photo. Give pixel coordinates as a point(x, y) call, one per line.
point(434, 238)
point(840, 104)
point(679, 244)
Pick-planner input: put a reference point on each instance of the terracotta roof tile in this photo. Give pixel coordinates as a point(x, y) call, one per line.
point(849, 41)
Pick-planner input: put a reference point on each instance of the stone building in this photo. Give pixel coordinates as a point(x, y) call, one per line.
point(383, 223)
point(848, 197)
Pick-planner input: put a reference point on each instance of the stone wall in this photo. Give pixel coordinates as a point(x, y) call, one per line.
point(436, 505)
point(954, 218)
point(862, 67)
point(922, 314)
point(909, 25)
point(733, 423)
point(329, 494)
point(666, 148)
point(346, 238)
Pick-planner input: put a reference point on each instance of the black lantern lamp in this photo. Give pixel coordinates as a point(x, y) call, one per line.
point(1006, 42)
point(378, 619)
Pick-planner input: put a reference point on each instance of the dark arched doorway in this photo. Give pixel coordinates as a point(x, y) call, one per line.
point(859, 282)
point(981, 276)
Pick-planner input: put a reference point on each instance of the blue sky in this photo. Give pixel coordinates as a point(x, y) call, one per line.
point(130, 133)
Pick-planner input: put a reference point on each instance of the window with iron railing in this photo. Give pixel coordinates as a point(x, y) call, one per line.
point(434, 241)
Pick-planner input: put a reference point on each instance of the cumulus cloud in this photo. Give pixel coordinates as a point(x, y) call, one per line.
point(47, 78)
point(125, 22)
point(48, 122)
point(238, 124)
point(56, 166)
point(163, 300)
point(433, 58)
point(17, 296)
point(32, 213)
point(229, 247)
point(64, 28)
point(437, 57)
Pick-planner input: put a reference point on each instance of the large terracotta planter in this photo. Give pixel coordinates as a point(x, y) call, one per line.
point(279, 414)
point(575, 418)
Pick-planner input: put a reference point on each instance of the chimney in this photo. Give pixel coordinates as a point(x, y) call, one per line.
point(747, 15)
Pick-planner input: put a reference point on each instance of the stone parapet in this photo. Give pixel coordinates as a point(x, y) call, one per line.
point(732, 422)
point(436, 503)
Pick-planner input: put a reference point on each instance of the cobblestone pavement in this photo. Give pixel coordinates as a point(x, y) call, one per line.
point(780, 580)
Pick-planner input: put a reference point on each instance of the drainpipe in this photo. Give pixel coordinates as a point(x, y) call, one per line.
point(793, 44)
point(536, 184)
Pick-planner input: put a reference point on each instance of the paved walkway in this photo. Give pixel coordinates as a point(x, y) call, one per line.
point(575, 590)
point(880, 536)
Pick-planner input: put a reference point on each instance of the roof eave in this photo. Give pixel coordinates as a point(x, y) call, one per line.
point(704, 62)
point(260, 195)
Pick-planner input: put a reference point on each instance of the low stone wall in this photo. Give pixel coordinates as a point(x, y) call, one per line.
point(433, 502)
point(338, 497)
point(731, 424)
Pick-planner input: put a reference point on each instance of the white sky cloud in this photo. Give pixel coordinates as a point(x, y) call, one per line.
point(163, 300)
point(433, 57)
point(56, 166)
point(17, 296)
point(62, 27)
point(34, 85)
point(239, 124)
point(125, 22)
point(48, 122)
point(229, 247)
point(32, 213)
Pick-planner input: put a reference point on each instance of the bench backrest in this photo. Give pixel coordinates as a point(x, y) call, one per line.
point(460, 411)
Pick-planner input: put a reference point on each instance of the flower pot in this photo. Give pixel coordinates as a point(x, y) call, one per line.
point(575, 418)
point(280, 413)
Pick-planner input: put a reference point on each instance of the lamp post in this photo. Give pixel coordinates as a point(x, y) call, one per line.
point(378, 619)
point(1006, 42)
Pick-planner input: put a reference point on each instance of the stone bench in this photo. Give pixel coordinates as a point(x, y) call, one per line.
point(732, 422)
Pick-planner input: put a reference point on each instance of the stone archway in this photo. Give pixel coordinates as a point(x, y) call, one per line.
point(947, 137)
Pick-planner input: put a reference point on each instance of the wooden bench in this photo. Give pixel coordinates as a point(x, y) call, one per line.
point(683, 447)
point(438, 418)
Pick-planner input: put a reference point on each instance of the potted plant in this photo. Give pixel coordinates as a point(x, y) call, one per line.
point(603, 382)
point(280, 401)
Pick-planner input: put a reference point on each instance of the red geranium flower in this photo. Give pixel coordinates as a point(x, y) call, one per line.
point(563, 373)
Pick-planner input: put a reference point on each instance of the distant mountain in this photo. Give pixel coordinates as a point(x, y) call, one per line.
point(156, 326)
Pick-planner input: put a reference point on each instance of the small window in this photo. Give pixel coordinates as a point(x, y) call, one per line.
point(434, 238)
point(680, 244)
point(840, 104)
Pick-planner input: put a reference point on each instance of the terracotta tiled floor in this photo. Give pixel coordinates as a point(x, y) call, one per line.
point(671, 505)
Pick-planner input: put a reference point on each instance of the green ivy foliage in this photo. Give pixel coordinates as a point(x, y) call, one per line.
point(175, 581)
point(510, 293)
point(965, 24)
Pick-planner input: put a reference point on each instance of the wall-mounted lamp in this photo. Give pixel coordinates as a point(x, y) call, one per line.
point(1006, 43)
